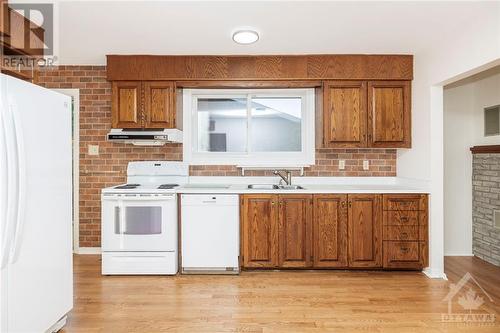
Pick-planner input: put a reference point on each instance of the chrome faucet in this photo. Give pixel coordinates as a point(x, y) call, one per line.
point(287, 179)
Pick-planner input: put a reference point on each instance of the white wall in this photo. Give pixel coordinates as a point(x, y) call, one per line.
point(474, 46)
point(486, 93)
point(458, 119)
point(464, 102)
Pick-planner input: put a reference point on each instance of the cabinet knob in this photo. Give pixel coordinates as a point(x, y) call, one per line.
point(405, 249)
point(404, 235)
point(404, 219)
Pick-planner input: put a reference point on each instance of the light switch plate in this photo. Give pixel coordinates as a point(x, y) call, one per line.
point(341, 164)
point(93, 150)
point(496, 218)
point(366, 165)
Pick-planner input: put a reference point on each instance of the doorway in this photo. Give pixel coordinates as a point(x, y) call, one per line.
point(469, 204)
point(75, 103)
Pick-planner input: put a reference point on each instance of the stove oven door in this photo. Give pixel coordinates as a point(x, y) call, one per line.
point(139, 222)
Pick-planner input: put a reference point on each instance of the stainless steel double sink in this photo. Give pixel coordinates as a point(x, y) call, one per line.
point(274, 187)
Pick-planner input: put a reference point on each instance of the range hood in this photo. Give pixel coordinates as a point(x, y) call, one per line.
point(145, 137)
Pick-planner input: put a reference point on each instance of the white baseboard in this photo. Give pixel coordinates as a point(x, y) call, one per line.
point(458, 254)
point(434, 274)
point(89, 250)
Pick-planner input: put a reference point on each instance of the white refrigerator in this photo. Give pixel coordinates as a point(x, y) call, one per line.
point(36, 279)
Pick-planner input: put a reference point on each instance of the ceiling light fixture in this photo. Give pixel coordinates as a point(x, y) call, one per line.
point(245, 36)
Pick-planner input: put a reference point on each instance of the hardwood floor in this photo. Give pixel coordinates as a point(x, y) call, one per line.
point(486, 274)
point(286, 301)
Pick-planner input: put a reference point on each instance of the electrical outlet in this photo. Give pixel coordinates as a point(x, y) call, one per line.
point(341, 164)
point(93, 150)
point(366, 165)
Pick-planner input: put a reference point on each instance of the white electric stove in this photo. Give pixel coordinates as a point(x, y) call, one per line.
point(139, 220)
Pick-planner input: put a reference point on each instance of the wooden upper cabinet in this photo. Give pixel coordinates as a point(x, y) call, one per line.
point(389, 118)
point(160, 106)
point(367, 114)
point(126, 105)
point(344, 113)
point(330, 230)
point(4, 18)
point(365, 230)
point(138, 104)
point(260, 230)
point(295, 222)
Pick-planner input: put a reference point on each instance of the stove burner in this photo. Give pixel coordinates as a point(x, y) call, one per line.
point(167, 186)
point(127, 186)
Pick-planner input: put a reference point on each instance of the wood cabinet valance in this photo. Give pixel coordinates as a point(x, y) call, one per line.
point(366, 98)
point(268, 67)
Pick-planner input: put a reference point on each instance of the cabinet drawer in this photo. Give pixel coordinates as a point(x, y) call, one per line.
point(401, 217)
point(404, 202)
point(401, 233)
point(405, 255)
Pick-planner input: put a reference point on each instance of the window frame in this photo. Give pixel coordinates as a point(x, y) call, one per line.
point(305, 157)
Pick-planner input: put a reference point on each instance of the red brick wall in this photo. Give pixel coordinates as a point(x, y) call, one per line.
point(382, 164)
point(109, 167)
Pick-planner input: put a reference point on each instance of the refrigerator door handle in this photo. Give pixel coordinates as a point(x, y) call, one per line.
point(21, 193)
point(10, 149)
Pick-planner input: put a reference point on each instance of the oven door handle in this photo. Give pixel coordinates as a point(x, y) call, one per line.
point(121, 212)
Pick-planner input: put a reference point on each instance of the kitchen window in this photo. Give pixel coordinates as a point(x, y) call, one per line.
point(249, 127)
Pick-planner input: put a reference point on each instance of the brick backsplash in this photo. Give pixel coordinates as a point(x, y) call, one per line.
point(109, 167)
point(382, 163)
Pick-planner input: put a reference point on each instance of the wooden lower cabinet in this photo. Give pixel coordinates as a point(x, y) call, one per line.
point(295, 231)
point(405, 231)
point(259, 230)
point(330, 231)
point(334, 231)
point(276, 231)
point(365, 231)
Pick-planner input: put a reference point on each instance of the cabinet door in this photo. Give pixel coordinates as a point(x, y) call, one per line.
point(365, 230)
point(389, 118)
point(160, 106)
point(4, 19)
point(295, 233)
point(330, 231)
point(126, 107)
point(344, 114)
point(260, 230)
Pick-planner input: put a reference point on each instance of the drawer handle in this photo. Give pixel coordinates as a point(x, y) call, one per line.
point(404, 235)
point(404, 219)
point(405, 249)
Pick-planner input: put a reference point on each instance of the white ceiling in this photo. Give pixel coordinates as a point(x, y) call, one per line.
point(91, 29)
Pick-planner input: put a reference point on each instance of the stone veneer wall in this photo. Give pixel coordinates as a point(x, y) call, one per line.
point(485, 201)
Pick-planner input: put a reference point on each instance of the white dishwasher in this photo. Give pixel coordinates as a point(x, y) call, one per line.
point(210, 237)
